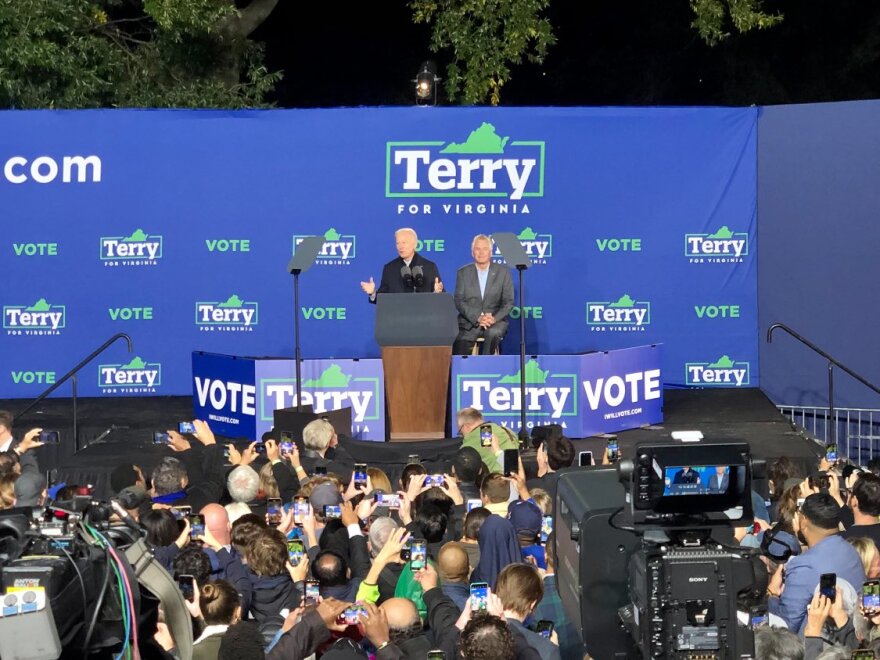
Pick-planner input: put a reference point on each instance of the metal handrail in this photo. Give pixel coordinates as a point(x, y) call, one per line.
point(831, 364)
point(72, 375)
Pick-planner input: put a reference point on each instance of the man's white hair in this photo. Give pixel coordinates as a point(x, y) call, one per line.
point(243, 483)
point(317, 434)
point(480, 237)
point(380, 531)
point(407, 230)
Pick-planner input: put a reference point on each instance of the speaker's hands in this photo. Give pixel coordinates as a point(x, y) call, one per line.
point(369, 287)
point(438, 285)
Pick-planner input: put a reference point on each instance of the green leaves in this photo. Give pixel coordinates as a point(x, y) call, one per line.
point(102, 53)
point(712, 17)
point(485, 38)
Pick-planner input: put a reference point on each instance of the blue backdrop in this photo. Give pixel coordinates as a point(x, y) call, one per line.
point(176, 226)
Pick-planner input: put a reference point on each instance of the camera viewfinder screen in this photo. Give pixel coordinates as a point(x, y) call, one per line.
point(696, 480)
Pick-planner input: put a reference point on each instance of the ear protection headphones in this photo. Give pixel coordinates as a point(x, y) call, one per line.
point(776, 544)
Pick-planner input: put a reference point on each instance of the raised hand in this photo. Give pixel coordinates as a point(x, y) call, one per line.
point(438, 285)
point(369, 287)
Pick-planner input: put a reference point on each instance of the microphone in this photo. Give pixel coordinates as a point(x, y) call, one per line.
point(418, 276)
point(407, 275)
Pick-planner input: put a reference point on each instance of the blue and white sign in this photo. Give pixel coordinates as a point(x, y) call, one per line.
point(586, 394)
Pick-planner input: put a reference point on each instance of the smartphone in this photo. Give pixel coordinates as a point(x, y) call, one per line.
point(185, 584)
point(286, 436)
point(479, 596)
point(871, 595)
point(831, 453)
point(434, 480)
point(406, 551)
point(510, 461)
point(301, 508)
point(473, 504)
point(413, 459)
point(332, 511)
point(486, 435)
point(286, 448)
point(225, 452)
point(828, 585)
point(390, 500)
point(160, 438)
point(436, 654)
point(274, 510)
point(50, 437)
point(196, 525)
point(360, 475)
point(419, 555)
point(320, 470)
point(312, 592)
point(800, 502)
point(585, 458)
point(758, 617)
point(295, 551)
point(350, 615)
point(181, 512)
point(544, 628)
point(186, 427)
point(260, 447)
point(546, 528)
point(613, 450)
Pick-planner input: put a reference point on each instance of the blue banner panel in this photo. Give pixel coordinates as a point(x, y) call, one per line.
point(586, 394)
point(239, 396)
point(327, 385)
point(224, 394)
point(176, 227)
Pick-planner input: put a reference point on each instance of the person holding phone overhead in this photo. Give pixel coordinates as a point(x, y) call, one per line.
point(817, 522)
point(469, 421)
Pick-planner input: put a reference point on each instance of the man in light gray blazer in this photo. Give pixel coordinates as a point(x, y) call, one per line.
point(483, 298)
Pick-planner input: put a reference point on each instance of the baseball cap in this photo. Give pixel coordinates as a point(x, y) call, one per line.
point(525, 516)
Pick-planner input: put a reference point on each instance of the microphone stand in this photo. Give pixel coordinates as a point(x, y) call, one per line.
point(523, 432)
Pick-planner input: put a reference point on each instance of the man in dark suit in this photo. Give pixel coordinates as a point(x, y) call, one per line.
point(409, 273)
point(719, 481)
point(483, 298)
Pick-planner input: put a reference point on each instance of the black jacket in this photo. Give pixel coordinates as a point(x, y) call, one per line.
point(393, 282)
point(271, 595)
point(338, 461)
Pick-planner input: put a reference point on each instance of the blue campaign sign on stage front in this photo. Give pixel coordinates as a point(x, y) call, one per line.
point(327, 385)
point(586, 394)
point(224, 394)
point(622, 390)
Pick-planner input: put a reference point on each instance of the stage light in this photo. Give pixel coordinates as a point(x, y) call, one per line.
point(426, 84)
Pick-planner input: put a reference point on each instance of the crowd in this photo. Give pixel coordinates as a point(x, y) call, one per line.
point(284, 552)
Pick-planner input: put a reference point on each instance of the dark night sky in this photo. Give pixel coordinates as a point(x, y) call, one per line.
point(642, 52)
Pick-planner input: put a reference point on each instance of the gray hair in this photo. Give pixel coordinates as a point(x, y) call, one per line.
point(317, 434)
point(243, 483)
point(480, 237)
point(835, 652)
point(778, 644)
point(169, 476)
point(407, 230)
point(380, 531)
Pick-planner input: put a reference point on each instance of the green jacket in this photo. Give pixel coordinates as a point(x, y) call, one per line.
point(506, 440)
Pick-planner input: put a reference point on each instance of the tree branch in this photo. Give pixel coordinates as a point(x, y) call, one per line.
point(250, 18)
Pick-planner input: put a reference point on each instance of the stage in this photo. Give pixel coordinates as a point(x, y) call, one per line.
point(116, 430)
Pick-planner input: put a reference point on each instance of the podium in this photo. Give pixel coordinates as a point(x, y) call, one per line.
point(416, 332)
